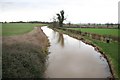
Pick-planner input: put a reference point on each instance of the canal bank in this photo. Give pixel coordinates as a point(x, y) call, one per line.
point(97, 47)
point(24, 56)
point(70, 58)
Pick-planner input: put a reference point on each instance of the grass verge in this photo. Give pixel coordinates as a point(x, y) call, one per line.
point(111, 51)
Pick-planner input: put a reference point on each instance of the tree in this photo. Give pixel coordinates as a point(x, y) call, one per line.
point(118, 25)
point(54, 22)
point(107, 24)
point(61, 18)
point(69, 24)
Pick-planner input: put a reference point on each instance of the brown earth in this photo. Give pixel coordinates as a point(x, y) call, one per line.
point(36, 36)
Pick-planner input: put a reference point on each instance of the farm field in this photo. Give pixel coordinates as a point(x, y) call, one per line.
point(23, 56)
point(112, 32)
point(9, 29)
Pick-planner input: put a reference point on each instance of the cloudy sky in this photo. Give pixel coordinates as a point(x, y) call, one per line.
point(76, 11)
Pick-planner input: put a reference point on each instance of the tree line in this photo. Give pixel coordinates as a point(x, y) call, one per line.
point(28, 22)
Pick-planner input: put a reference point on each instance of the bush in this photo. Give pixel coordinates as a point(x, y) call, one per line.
point(23, 60)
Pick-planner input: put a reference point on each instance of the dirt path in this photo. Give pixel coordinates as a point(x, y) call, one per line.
point(36, 36)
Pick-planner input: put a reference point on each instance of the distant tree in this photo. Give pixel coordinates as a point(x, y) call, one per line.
point(61, 18)
point(54, 22)
point(112, 24)
point(69, 24)
point(107, 24)
point(118, 25)
point(89, 24)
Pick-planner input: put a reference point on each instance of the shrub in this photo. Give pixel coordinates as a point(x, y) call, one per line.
point(23, 60)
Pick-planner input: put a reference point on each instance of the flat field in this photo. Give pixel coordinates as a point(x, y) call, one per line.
point(9, 29)
point(112, 32)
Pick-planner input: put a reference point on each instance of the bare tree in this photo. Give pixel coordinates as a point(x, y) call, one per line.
point(54, 22)
point(61, 18)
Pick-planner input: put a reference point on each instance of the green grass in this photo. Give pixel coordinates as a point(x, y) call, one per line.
point(0, 29)
point(112, 32)
point(111, 50)
point(9, 29)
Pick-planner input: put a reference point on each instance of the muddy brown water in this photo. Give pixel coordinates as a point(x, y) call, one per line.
point(72, 58)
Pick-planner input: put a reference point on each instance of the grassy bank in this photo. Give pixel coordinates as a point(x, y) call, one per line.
point(23, 56)
point(23, 60)
point(109, 49)
point(0, 29)
point(112, 32)
point(10, 29)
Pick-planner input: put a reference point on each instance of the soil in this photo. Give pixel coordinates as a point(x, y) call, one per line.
point(36, 36)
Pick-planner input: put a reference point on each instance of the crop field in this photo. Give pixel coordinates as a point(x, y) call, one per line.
point(112, 32)
point(9, 29)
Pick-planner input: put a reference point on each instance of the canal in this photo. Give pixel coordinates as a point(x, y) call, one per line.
point(72, 58)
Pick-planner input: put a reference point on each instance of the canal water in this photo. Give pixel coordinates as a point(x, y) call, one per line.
point(72, 58)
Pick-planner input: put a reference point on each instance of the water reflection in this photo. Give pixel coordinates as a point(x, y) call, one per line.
point(61, 39)
point(54, 34)
point(74, 59)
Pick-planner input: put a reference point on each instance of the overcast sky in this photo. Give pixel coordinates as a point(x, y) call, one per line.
point(76, 11)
